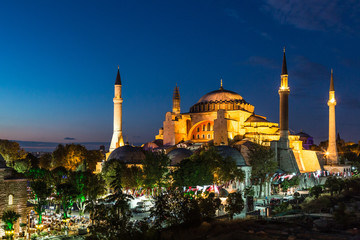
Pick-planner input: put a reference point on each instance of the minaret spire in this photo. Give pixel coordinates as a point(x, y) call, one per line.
point(176, 100)
point(332, 154)
point(284, 67)
point(118, 78)
point(117, 138)
point(332, 81)
point(284, 92)
point(221, 84)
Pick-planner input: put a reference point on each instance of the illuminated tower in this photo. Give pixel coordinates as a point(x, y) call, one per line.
point(117, 138)
point(176, 101)
point(332, 154)
point(284, 92)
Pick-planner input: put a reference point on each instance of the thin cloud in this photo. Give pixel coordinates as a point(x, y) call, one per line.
point(262, 61)
point(320, 15)
point(69, 138)
point(309, 71)
point(232, 13)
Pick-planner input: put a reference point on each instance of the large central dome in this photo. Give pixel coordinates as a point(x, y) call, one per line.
point(220, 95)
point(221, 99)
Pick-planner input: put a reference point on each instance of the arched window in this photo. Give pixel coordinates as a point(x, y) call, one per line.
point(209, 136)
point(198, 136)
point(193, 136)
point(208, 126)
point(203, 136)
point(11, 199)
point(203, 127)
point(198, 129)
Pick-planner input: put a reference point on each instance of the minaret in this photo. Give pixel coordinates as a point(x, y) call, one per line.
point(176, 100)
point(332, 154)
point(117, 138)
point(284, 92)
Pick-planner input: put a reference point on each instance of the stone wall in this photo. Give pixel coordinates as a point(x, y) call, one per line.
point(18, 189)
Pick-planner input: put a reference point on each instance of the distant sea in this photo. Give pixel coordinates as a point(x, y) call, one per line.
point(30, 146)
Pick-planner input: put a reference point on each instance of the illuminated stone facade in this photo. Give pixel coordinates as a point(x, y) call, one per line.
point(221, 116)
point(224, 117)
point(13, 196)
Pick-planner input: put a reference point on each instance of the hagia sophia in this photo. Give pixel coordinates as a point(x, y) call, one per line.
point(223, 118)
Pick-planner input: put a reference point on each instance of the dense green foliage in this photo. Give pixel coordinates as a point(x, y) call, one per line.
point(156, 168)
point(11, 152)
point(235, 204)
point(42, 191)
point(263, 164)
point(9, 217)
point(205, 168)
point(316, 191)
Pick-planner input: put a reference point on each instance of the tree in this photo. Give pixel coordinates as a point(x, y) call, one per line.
point(206, 167)
point(174, 208)
point(193, 172)
point(89, 186)
point(224, 169)
point(59, 175)
point(22, 165)
point(67, 194)
point(41, 191)
point(92, 158)
point(332, 184)
point(316, 191)
point(69, 156)
point(208, 206)
point(34, 161)
point(131, 177)
point(9, 217)
point(11, 151)
point(285, 185)
point(112, 217)
point(263, 164)
point(45, 161)
point(235, 204)
point(109, 170)
point(155, 167)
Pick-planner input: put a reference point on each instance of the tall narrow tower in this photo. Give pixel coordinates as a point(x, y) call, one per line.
point(332, 151)
point(284, 92)
point(176, 101)
point(117, 138)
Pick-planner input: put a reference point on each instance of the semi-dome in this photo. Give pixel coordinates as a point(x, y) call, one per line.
point(178, 154)
point(220, 95)
point(226, 151)
point(254, 118)
point(128, 154)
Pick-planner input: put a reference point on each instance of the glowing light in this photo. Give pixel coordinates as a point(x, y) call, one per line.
point(332, 100)
point(327, 153)
point(40, 226)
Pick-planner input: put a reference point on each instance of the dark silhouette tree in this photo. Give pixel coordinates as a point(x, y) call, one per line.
point(235, 204)
point(263, 164)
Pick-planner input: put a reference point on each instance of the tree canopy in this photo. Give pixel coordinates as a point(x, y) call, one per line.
point(263, 164)
point(11, 151)
point(205, 168)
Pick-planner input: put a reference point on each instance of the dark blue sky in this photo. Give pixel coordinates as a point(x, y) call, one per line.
point(58, 62)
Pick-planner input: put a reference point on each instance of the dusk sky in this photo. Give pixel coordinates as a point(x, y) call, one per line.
point(58, 63)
